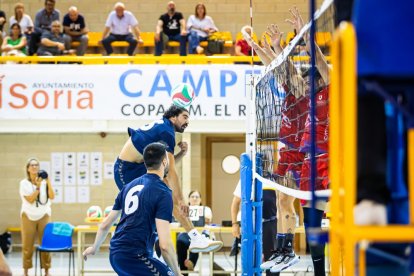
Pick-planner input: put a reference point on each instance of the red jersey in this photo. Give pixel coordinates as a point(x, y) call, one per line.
point(294, 114)
point(321, 124)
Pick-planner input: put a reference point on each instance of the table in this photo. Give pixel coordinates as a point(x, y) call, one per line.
point(84, 229)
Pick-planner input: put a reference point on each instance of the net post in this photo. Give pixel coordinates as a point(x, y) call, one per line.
point(246, 215)
point(258, 216)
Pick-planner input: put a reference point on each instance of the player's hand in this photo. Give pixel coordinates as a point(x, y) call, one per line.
point(235, 230)
point(297, 20)
point(184, 208)
point(183, 147)
point(275, 35)
point(88, 251)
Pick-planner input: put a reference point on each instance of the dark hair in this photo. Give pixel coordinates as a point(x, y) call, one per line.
point(192, 192)
point(307, 71)
point(53, 1)
point(18, 26)
point(174, 111)
point(204, 7)
point(154, 153)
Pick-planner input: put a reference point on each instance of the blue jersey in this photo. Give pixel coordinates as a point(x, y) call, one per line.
point(158, 131)
point(141, 201)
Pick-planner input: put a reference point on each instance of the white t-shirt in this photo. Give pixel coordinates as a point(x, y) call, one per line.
point(121, 26)
point(206, 22)
point(237, 193)
point(32, 210)
point(24, 23)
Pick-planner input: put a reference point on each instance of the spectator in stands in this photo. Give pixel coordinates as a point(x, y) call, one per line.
point(183, 241)
point(43, 20)
point(170, 27)
point(75, 30)
point(4, 268)
point(15, 43)
point(200, 26)
point(24, 20)
point(2, 23)
point(242, 47)
point(53, 43)
point(118, 26)
point(36, 194)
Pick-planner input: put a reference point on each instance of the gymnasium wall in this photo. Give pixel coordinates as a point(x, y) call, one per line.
point(16, 149)
point(229, 15)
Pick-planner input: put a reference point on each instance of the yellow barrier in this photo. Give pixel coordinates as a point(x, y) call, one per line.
point(138, 59)
point(144, 59)
point(344, 234)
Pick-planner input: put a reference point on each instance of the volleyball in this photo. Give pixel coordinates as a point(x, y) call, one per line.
point(94, 212)
point(107, 210)
point(182, 95)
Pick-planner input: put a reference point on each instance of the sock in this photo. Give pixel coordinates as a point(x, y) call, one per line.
point(319, 265)
point(288, 244)
point(279, 241)
point(194, 234)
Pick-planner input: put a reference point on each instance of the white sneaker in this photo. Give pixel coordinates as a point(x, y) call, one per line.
point(203, 244)
point(288, 260)
point(273, 260)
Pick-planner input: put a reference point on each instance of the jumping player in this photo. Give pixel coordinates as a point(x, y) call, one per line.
point(129, 165)
point(294, 111)
point(145, 205)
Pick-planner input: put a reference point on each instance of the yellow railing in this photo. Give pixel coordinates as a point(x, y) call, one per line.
point(91, 59)
point(138, 59)
point(344, 234)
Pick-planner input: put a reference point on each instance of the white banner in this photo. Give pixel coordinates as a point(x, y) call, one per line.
point(114, 92)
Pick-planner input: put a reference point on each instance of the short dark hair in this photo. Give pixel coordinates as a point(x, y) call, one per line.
point(52, 1)
point(154, 153)
point(174, 111)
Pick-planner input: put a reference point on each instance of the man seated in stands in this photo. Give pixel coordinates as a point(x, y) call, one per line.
point(75, 30)
point(170, 27)
point(52, 43)
point(43, 21)
point(118, 27)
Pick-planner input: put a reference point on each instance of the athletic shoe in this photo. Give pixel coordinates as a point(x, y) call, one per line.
point(202, 244)
point(273, 260)
point(288, 260)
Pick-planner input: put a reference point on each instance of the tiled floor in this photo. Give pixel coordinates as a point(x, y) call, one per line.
point(100, 261)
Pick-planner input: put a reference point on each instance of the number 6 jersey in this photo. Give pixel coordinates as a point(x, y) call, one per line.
point(142, 201)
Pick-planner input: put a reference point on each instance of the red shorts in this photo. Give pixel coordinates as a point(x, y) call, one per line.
point(290, 160)
point(322, 173)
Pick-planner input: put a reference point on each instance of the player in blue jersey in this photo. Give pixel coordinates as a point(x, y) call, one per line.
point(145, 205)
point(129, 165)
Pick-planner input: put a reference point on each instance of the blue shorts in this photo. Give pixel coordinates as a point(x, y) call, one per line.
point(131, 265)
point(125, 172)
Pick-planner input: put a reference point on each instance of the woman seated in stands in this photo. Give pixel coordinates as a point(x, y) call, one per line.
point(199, 216)
point(15, 43)
point(199, 26)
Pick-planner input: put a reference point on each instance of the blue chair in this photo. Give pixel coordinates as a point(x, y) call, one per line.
point(57, 237)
